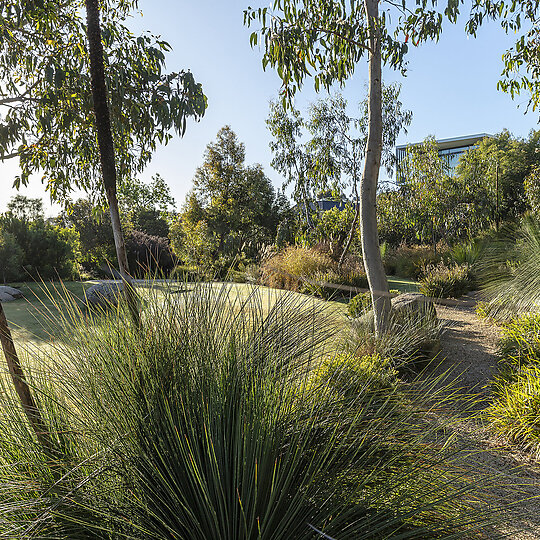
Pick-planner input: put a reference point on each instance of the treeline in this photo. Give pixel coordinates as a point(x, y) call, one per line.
point(231, 213)
point(495, 182)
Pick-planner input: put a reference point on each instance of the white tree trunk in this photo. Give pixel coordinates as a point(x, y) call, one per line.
point(378, 284)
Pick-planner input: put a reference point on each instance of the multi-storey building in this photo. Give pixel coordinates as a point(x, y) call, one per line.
point(449, 149)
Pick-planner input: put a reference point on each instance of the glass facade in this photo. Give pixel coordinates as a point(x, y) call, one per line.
point(452, 155)
point(450, 150)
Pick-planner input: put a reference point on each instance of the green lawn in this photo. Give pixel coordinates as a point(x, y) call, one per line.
point(402, 284)
point(32, 319)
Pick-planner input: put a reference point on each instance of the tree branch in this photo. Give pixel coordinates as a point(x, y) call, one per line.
point(348, 40)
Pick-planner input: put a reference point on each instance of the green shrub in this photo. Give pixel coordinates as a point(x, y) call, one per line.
point(515, 412)
point(184, 272)
point(350, 375)
point(11, 256)
point(207, 422)
point(409, 261)
point(286, 269)
point(520, 343)
point(442, 281)
point(307, 270)
point(466, 253)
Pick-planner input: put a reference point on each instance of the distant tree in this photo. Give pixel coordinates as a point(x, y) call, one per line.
point(194, 243)
point(498, 166)
point(11, 257)
point(146, 207)
point(532, 190)
point(428, 190)
point(238, 202)
point(338, 143)
point(291, 158)
point(95, 233)
point(48, 251)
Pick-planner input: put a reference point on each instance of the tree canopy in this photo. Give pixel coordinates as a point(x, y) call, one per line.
point(47, 120)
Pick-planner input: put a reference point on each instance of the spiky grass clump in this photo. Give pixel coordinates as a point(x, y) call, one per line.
point(515, 413)
point(443, 281)
point(412, 337)
point(510, 269)
point(206, 422)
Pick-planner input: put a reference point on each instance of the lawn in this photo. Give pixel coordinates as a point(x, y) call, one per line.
point(32, 319)
point(403, 285)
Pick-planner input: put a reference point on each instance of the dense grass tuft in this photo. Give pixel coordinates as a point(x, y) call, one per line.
point(226, 417)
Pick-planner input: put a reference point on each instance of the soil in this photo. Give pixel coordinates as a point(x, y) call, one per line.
point(469, 358)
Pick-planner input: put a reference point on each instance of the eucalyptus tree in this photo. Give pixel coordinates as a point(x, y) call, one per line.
point(327, 39)
point(291, 156)
point(47, 97)
point(339, 140)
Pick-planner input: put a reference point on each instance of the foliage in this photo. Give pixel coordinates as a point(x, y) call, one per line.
point(11, 257)
point(288, 269)
point(502, 161)
point(348, 374)
point(510, 268)
point(331, 157)
point(435, 205)
point(149, 255)
point(311, 271)
point(532, 190)
point(443, 281)
point(411, 340)
point(468, 252)
point(194, 243)
point(144, 207)
point(326, 40)
point(515, 412)
point(279, 456)
point(48, 251)
point(95, 234)
point(237, 202)
point(409, 261)
point(520, 343)
point(48, 126)
point(332, 228)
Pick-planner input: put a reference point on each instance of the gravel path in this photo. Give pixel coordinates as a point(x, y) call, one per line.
point(468, 355)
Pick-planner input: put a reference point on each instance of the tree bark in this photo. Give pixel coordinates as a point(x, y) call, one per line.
point(28, 403)
point(378, 284)
point(106, 147)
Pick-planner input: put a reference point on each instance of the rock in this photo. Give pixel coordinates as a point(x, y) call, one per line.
point(8, 294)
point(104, 295)
point(413, 304)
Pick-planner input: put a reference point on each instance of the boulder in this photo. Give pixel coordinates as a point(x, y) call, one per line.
point(413, 304)
point(104, 295)
point(8, 294)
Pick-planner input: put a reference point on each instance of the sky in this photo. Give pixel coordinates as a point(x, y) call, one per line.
point(450, 86)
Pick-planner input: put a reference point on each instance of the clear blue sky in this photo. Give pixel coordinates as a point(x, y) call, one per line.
point(451, 87)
